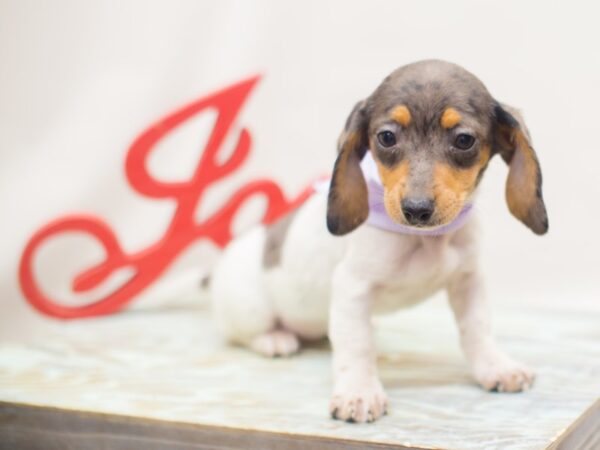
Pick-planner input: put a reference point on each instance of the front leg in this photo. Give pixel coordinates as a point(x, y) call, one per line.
point(492, 368)
point(357, 394)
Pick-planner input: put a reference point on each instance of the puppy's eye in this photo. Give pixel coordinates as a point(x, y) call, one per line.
point(464, 141)
point(386, 138)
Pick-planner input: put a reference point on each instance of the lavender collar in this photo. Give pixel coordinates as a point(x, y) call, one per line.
point(379, 218)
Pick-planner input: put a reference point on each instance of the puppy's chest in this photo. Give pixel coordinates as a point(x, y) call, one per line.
point(414, 272)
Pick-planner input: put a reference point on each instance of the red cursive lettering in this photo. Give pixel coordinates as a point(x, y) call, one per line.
point(150, 262)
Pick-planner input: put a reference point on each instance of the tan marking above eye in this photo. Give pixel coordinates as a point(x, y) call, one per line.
point(401, 114)
point(450, 118)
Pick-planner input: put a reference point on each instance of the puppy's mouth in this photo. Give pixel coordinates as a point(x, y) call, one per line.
point(432, 224)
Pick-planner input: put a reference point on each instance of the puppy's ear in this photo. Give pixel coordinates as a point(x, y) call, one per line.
point(524, 182)
point(348, 205)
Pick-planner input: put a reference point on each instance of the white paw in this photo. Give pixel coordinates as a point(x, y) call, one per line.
point(276, 343)
point(503, 374)
point(356, 401)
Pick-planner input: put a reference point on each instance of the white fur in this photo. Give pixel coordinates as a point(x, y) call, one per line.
point(332, 285)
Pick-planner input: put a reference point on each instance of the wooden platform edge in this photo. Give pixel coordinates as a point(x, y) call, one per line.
point(583, 434)
point(34, 427)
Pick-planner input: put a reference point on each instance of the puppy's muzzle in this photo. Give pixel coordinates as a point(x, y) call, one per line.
point(418, 211)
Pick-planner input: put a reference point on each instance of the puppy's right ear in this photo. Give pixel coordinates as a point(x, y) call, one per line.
point(348, 205)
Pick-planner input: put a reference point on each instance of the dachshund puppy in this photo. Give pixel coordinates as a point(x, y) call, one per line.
point(394, 226)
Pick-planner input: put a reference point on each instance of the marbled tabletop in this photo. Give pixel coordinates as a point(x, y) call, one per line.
point(171, 365)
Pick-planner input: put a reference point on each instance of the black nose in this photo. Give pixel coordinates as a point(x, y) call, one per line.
point(417, 211)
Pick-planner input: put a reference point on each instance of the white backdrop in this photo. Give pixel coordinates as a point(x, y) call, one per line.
point(80, 80)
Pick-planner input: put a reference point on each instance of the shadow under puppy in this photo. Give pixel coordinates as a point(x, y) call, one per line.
point(398, 228)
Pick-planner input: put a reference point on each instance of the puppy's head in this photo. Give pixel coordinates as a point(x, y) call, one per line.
point(432, 128)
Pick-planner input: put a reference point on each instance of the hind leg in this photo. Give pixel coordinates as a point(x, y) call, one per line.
point(240, 303)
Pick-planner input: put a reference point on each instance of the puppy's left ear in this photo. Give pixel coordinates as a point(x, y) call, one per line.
point(347, 205)
point(524, 182)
